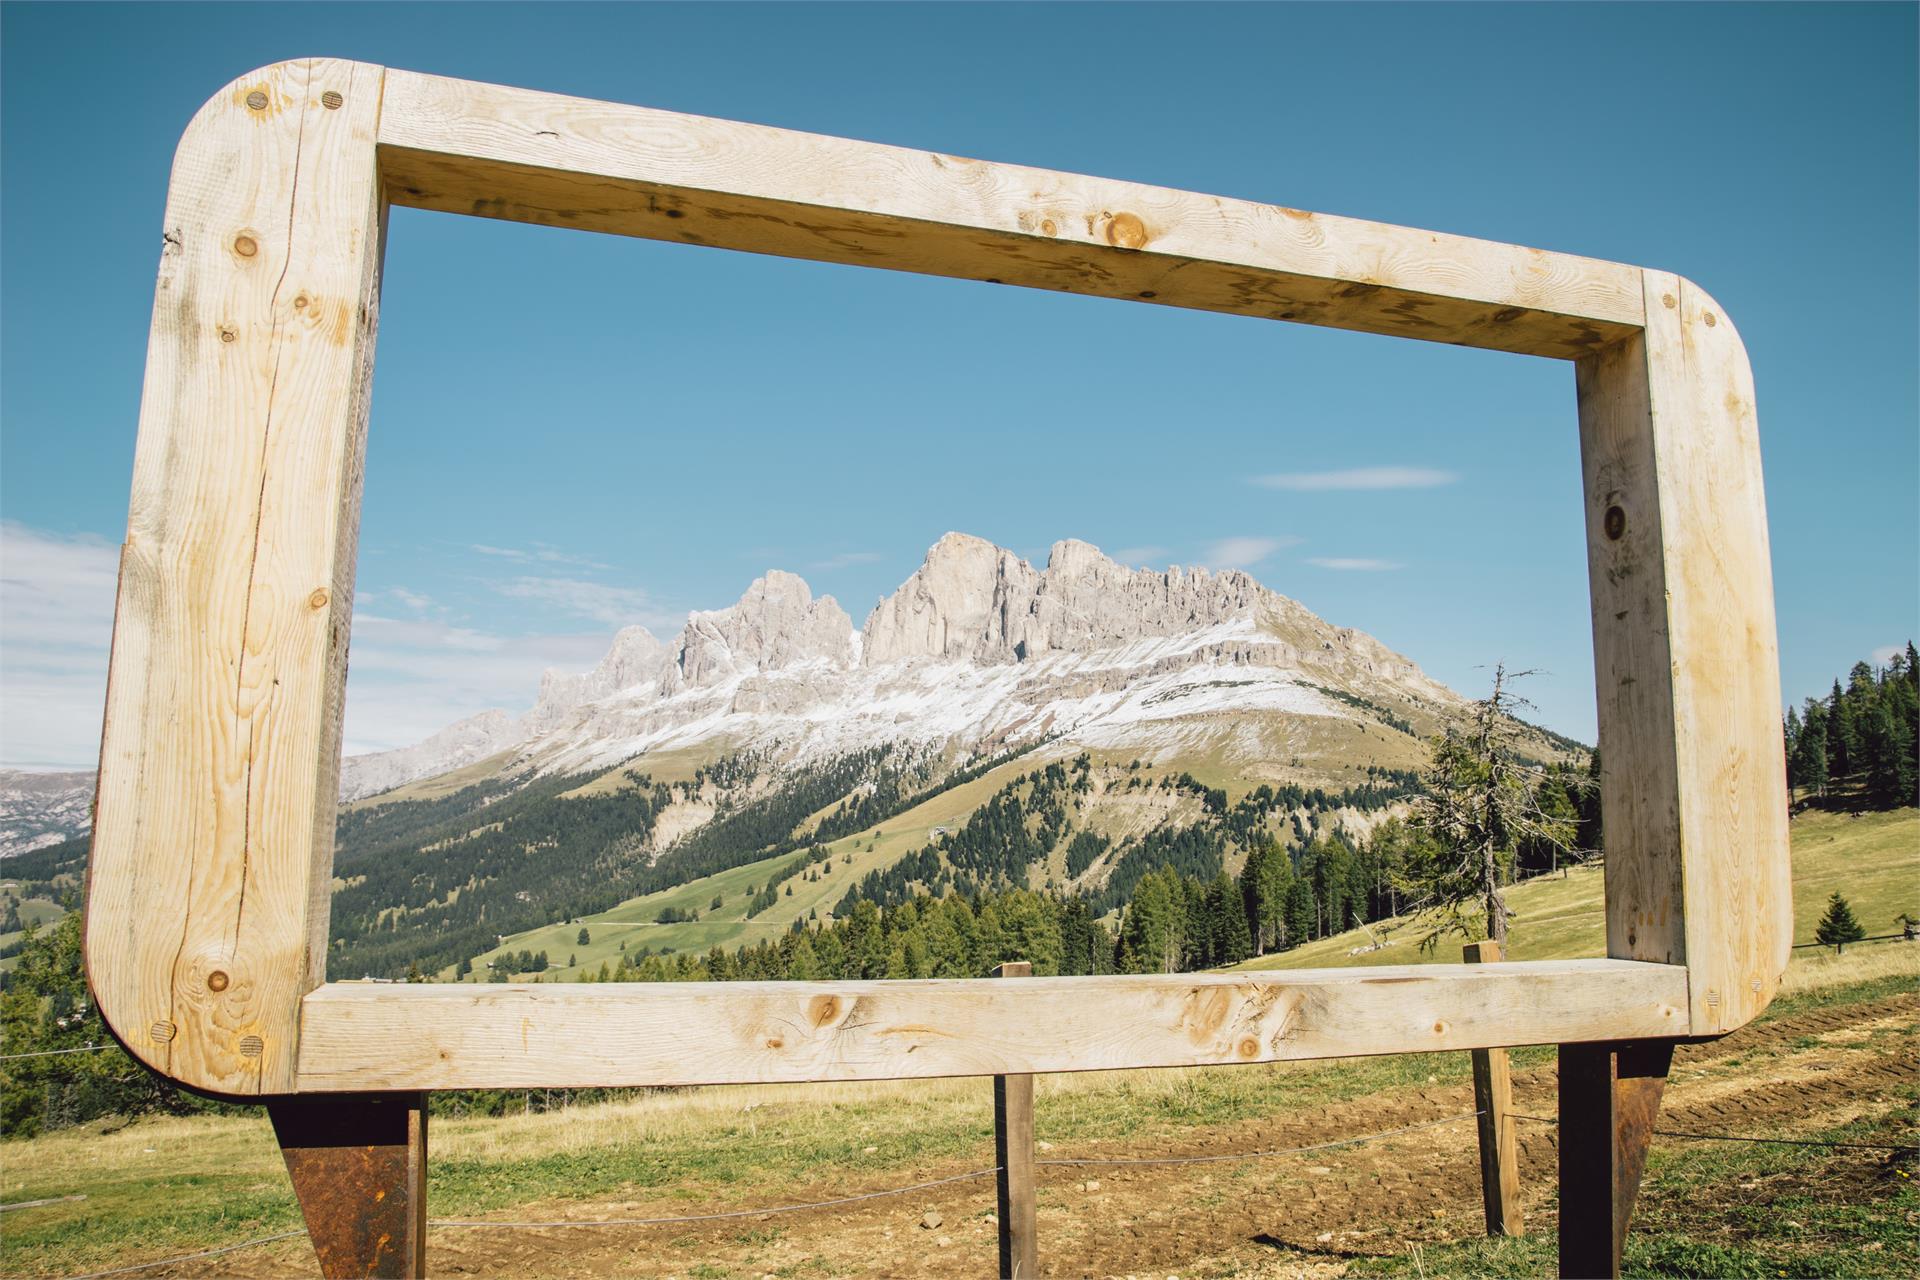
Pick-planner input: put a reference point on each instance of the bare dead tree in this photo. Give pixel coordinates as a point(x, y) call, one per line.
point(1480, 806)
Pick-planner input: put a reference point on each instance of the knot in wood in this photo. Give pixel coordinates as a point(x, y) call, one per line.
point(1126, 231)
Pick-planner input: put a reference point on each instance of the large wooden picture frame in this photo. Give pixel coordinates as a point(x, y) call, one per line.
point(207, 909)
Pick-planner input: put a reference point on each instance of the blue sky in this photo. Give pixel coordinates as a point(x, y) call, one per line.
point(572, 431)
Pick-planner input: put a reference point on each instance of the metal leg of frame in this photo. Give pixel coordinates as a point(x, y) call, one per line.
point(359, 1167)
point(1609, 1096)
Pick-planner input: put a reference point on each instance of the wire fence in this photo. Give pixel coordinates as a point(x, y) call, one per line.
point(54, 1053)
point(1854, 942)
point(190, 1257)
point(1736, 1137)
point(715, 1217)
point(804, 1206)
point(969, 1176)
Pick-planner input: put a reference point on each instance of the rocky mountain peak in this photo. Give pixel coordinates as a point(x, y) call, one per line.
point(971, 600)
point(635, 657)
point(777, 624)
point(781, 664)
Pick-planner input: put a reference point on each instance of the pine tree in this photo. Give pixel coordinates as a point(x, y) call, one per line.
point(1232, 940)
point(1479, 807)
point(1841, 745)
point(1808, 768)
point(1888, 755)
point(1838, 927)
point(583, 937)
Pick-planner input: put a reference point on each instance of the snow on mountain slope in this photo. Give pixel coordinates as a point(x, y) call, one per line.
point(978, 650)
point(39, 809)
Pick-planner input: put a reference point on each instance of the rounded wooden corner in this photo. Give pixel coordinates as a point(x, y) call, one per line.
point(139, 1042)
point(267, 94)
point(268, 82)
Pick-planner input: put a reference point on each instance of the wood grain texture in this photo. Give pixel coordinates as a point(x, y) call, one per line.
point(213, 836)
point(1626, 571)
point(1686, 657)
point(538, 157)
point(1726, 662)
point(367, 1037)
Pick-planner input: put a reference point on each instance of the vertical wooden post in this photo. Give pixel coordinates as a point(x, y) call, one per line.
point(1493, 1099)
point(1013, 1151)
point(1609, 1096)
point(359, 1167)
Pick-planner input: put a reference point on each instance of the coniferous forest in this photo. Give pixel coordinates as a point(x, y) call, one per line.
point(1855, 747)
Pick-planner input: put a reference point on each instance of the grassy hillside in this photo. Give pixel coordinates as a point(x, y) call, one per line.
point(1872, 858)
point(632, 922)
point(1087, 823)
point(40, 912)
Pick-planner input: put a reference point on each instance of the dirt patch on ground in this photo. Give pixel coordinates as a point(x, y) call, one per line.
point(1300, 1214)
point(1377, 1198)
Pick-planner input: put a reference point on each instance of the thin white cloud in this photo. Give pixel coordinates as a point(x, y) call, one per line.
point(539, 553)
point(1143, 555)
point(56, 623)
point(410, 671)
point(1243, 552)
point(618, 606)
point(407, 681)
point(1354, 564)
point(846, 560)
point(412, 599)
point(1358, 478)
point(422, 633)
point(1884, 655)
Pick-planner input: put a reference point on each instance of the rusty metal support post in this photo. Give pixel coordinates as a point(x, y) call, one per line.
point(1493, 1099)
point(359, 1167)
point(1609, 1097)
point(1013, 1151)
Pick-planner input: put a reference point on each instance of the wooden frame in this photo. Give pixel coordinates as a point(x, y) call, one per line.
point(209, 887)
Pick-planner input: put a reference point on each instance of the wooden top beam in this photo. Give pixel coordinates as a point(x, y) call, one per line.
point(495, 152)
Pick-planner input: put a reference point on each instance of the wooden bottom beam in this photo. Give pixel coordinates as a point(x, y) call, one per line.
point(359, 1168)
point(1609, 1097)
point(357, 1038)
